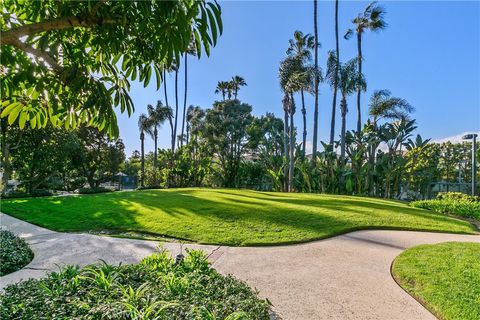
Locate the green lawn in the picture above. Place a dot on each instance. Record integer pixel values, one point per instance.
(444, 277)
(226, 216)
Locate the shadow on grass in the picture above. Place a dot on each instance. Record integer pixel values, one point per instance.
(236, 217)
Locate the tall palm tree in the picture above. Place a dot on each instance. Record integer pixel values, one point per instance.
(292, 75)
(348, 80)
(317, 80)
(145, 126)
(286, 142)
(335, 85)
(176, 68)
(372, 18)
(190, 51)
(236, 83)
(223, 87)
(301, 46)
(170, 119)
(157, 116)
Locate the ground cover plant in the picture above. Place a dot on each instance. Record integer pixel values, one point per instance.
(454, 203)
(14, 253)
(227, 216)
(444, 277)
(156, 288)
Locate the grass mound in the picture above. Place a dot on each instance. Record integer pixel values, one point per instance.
(156, 288)
(444, 277)
(14, 253)
(227, 216)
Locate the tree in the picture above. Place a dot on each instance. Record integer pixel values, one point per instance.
(195, 116)
(191, 51)
(370, 19)
(236, 83)
(157, 116)
(317, 79)
(100, 157)
(383, 105)
(300, 47)
(348, 80)
(43, 156)
(224, 88)
(335, 85)
(144, 125)
(226, 136)
(83, 55)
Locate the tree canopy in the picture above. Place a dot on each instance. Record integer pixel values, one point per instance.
(70, 62)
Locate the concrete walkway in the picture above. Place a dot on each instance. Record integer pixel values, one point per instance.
(345, 277)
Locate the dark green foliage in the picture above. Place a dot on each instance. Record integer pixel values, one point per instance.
(34, 193)
(156, 288)
(14, 254)
(94, 190)
(455, 203)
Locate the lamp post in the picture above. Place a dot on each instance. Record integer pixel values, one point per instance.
(473, 137)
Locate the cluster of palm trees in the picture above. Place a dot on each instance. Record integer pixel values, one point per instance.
(230, 88)
(297, 74)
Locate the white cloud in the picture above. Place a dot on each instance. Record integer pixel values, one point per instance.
(453, 139)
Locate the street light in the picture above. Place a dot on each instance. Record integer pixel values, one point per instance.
(473, 137)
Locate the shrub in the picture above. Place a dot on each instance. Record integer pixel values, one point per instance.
(94, 190)
(457, 196)
(22, 194)
(14, 253)
(454, 203)
(156, 288)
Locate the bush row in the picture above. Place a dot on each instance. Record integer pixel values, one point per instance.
(454, 205)
(156, 288)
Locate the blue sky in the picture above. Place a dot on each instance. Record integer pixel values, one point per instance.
(429, 55)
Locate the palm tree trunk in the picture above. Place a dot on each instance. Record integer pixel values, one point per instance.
(343, 108)
(285, 146)
(304, 115)
(172, 134)
(292, 146)
(317, 80)
(176, 109)
(155, 136)
(142, 148)
(184, 99)
(359, 90)
(335, 84)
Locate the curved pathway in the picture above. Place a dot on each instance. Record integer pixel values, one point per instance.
(345, 277)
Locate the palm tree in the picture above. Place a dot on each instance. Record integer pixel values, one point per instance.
(383, 105)
(236, 83)
(223, 87)
(190, 51)
(300, 47)
(157, 116)
(176, 68)
(144, 125)
(317, 80)
(335, 85)
(195, 114)
(370, 19)
(292, 75)
(348, 80)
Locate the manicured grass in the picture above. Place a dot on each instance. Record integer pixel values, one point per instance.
(444, 277)
(226, 216)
